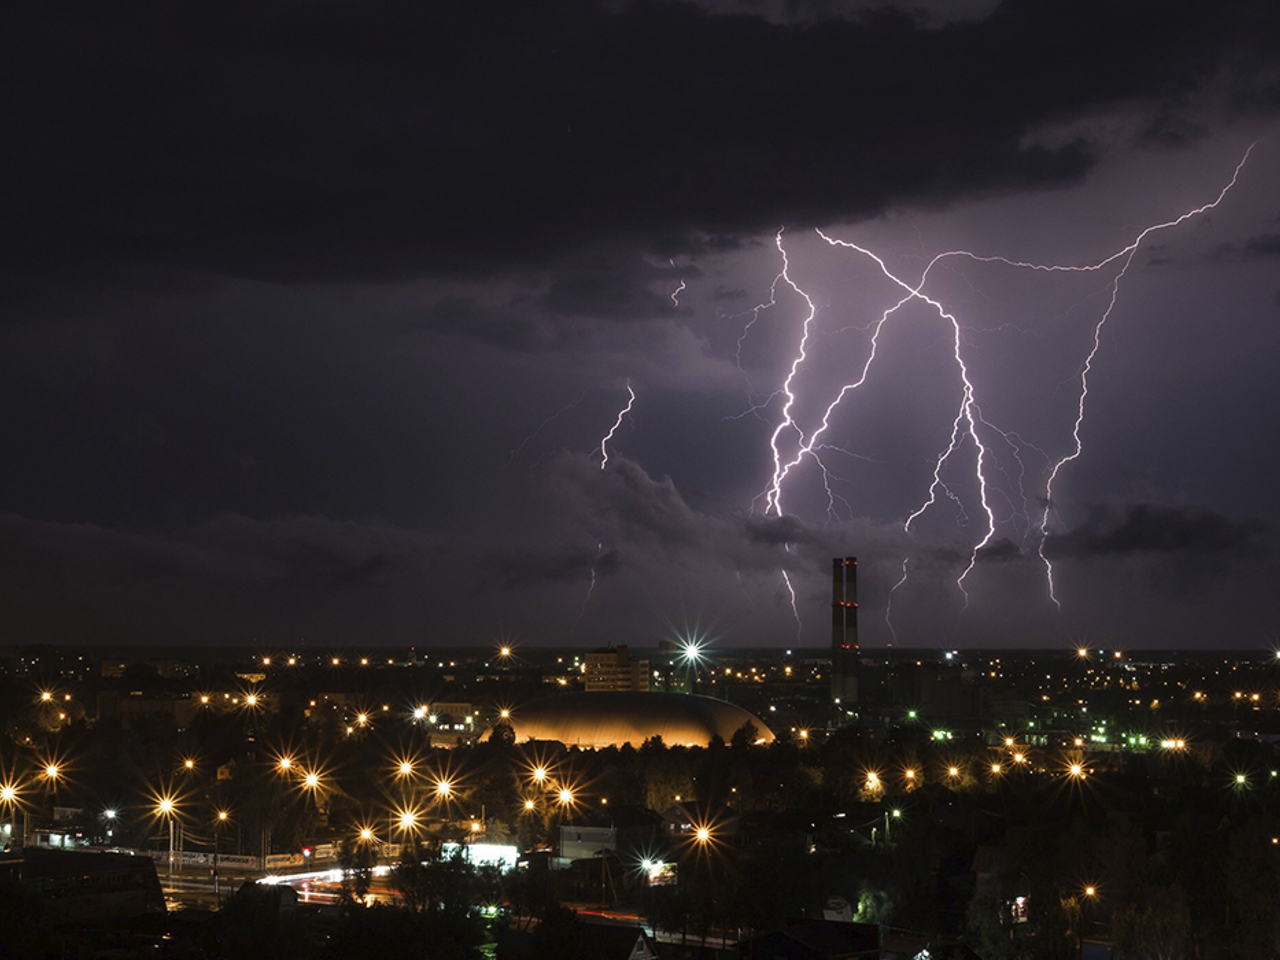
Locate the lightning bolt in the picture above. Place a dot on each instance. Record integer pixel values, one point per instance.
(675, 294)
(591, 587)
(527, 440)
(968, 424)
(1078, 448)
(604, 443)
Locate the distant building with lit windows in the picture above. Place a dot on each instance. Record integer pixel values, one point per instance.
(611, 669)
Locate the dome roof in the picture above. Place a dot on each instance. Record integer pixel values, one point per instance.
(610, 719)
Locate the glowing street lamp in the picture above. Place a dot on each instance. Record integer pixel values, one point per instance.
(9, 800)
(529, 805)
(405, 768)
(691, 652)
(565, 797)
(166, 808)
(221, 817)
(444, 789)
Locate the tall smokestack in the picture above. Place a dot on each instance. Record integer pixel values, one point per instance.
(844, 631)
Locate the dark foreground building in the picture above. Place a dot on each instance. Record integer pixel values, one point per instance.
(78, 887)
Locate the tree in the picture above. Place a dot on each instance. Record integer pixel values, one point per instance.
(357, 859)
(745, 736)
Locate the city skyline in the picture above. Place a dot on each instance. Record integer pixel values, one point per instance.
(408, 327)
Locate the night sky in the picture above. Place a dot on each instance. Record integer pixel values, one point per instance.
(313, 317)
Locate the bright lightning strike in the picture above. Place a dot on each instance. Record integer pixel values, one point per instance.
(675, 294)
(604, 443)
(968, 425)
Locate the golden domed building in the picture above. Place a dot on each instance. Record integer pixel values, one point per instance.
(610, 719)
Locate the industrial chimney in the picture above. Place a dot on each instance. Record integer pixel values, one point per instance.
(844, 631)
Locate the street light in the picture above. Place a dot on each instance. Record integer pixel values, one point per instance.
(889, 817)
(165, 808)
(406, 820)
(219, 819)
(9, 800)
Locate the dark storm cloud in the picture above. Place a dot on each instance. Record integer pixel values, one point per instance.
(1267, 245)
(1154, 529)
(501, 326)
(1260, 247)
(597, 287)
(302, 142)
(1000, 551)
(569, 565)
(775, 530)
(229, 577)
